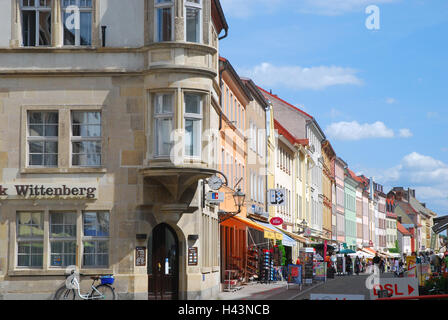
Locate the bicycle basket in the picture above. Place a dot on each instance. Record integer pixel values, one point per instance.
(107, 279)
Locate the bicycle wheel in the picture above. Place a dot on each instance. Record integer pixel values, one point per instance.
(106, 293)
(64, 294)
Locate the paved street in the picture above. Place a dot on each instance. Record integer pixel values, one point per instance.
(352, 285)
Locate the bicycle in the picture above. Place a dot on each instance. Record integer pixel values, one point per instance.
(103, 291)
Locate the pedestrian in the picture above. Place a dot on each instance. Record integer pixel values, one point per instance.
(298, 261)
(357, 265)
(376, 263)
(396, 266)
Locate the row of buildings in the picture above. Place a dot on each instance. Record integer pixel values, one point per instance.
(113, 132)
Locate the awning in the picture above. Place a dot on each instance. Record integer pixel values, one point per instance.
(249, 223)
(270, 232)
(287, 240)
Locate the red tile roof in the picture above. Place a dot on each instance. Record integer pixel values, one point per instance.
(403, 230)
(353, 175)
(287, 103)
(289, 136)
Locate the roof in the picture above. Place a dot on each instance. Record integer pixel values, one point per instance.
(218, 17)
(408, 209)
(287, 103)
(403, 230)
(391, 215)
(291, 138)
(353, 175)
(255, 91)
(228, 66)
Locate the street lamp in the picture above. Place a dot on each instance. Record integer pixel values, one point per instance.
(238, 198)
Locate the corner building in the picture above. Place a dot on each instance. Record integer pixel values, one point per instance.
(121, 107)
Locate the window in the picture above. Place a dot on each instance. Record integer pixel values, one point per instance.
(72, 34)
(42, 138)
(193, 125)
(96, 239)
(63, 239)
(164, 20)
(36, 22)
(193, 20)
(86, 138)
(30, 236)
(163, 123)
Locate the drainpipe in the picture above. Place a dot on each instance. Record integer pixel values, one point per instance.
(103, 33)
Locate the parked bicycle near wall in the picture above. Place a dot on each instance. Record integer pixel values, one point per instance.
(102, 291)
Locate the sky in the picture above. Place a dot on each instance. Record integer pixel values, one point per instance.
(374, 79)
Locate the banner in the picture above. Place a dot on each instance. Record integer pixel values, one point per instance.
(411, 266)
(295, 274)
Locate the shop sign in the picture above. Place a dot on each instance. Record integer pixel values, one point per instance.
(396, 287)
(31, 191)
(276, 221)
(411, 266)
(273, 235)
(215, 197)
(276, 197)
(140, 256)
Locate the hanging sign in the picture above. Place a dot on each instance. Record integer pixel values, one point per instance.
(276, 221)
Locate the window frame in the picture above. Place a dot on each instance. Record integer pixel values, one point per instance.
(78, 32)
(74, 139)
(169, 4)
(95, 239)
(188, 4)
(44, 139)
(37, 9)
(29, 240)
(195, 117)
(61, 239)
(161, 116)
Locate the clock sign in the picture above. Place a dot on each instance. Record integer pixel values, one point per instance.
(214, 182)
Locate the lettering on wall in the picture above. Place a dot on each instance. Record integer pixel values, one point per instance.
(42, 191)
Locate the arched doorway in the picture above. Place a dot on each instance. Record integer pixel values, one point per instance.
(163, 264)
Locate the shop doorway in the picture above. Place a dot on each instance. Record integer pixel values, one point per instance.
(163, 264)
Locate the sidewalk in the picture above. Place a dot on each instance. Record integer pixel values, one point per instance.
(258, 291)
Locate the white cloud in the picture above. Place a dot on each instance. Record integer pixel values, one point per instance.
(390, 101)
(428, 176)
(300, 78)
(356, 131)
(405, 133)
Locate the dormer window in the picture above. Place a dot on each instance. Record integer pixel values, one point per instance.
(193, 9)
(164, 19)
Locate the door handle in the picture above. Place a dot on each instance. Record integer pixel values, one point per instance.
(159, 266)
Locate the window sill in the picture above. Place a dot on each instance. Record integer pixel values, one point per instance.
(62, 170)
(56, 272)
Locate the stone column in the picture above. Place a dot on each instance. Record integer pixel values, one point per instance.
(179, 29)
(16, 37)
(57, 24)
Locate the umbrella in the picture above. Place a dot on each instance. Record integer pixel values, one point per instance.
(344, 251)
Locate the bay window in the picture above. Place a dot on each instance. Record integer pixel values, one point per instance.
(36, 22)
(77, 33)
(193, 10)
(86, 138)
(193, 124)
(163, 123)
(164, 18)
(42, 138)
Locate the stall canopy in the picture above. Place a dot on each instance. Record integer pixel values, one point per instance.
(287, 240)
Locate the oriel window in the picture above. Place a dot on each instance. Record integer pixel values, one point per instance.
(164, 20)
(36, 22)
(163, 123)
(193, 10)
(193, 124)
(77, 22)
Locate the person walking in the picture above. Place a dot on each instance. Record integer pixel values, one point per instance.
(376, 263)
(357, 265)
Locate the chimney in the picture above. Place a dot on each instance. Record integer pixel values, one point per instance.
(399, 219)
(424, 205)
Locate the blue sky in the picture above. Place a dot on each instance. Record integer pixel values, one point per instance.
(379, 95)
